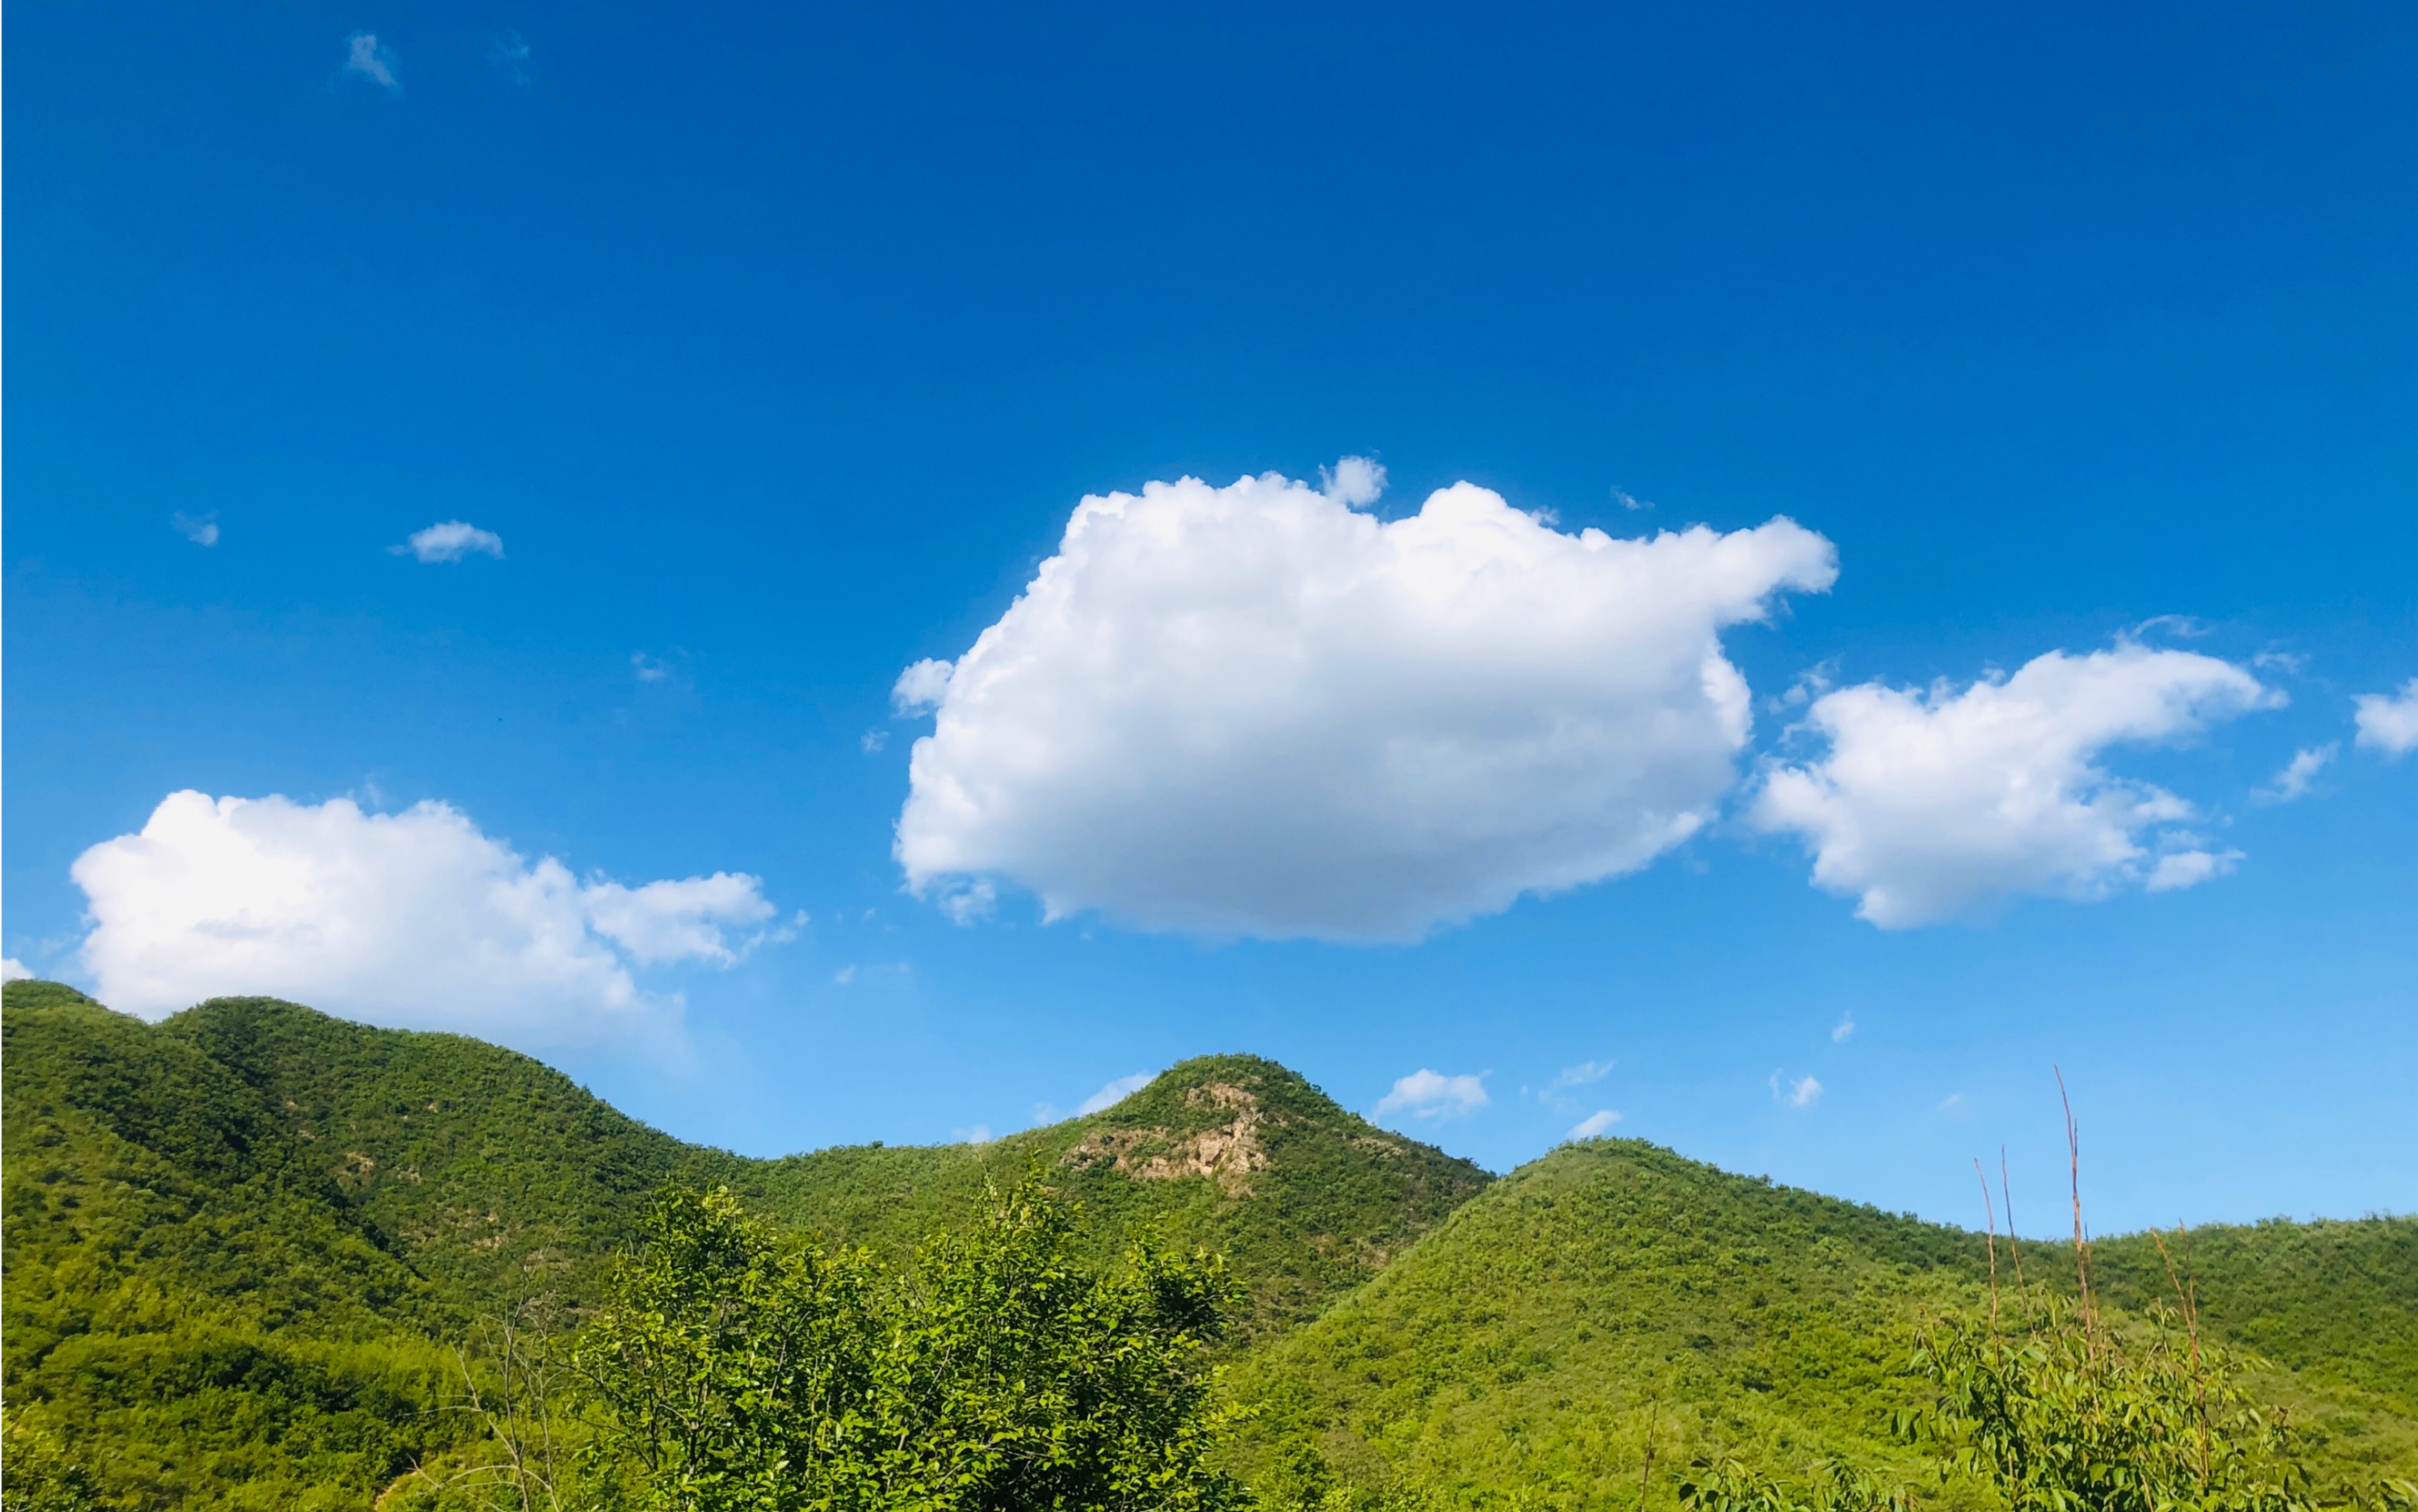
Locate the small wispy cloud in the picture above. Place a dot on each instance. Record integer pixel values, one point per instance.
(450, 540)
(367, 58)
(647, 668)
(1628, 500)
(510, 54)
(973, 1134)
(13, 970)
(201, 529)
(2292, 783)
(2189, 868)
(1581, 1074)
(1115, 1092)
(845, 975)
(873, 740)
(970, 904)
(1595, 1125)
(1795, 1092)
(1426, 1094)
(1844, 1028)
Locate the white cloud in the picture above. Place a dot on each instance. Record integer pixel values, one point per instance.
(1355, 482)
(2181, 869)
(648, 669)
(1429, 1094)
(872, 742)
(966, 903)
(678, 920)
(1629, 502)
(1595, 1125)
(974, 1134)
(2389, 721)
(1116, 1092)
(449, 541)
(1581, 1074)
(13, 970)
(1931, 805)
(1797, 1092)
(1844, 1029)
(1257, 711)
(372, 60)
(416, 920)
(2293, 781)
(201, 529)
(921, 687)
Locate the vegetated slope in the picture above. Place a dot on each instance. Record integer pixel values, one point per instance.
(191, 1307)
(2336, 1301)
(494, 1174)
(498, 1176)
(1614, 1295)
(240, 1244)
(1232, 1153)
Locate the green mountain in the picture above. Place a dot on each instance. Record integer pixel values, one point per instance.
(1613, 1297)
(240, 1246)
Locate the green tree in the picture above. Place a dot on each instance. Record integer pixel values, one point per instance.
(37, 1474)
(2072, 1412)
(739, 1371)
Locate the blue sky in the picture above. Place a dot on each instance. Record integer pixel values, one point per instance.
(775, 349)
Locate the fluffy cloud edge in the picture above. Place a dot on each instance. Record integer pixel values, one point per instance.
(2388, 722)
(416, 919)
(1431, 1094)
(1931, 804)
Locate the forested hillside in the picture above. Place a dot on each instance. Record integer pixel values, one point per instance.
(241, 1246)
(1613, 1297)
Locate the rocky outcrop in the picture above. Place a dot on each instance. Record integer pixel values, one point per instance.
(1227, 1153)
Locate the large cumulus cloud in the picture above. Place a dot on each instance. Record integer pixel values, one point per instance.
(416, 920)
(1258, 709)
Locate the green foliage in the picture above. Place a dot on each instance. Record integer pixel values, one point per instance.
(1612, 1310)
(2336, 1300)
(2073, 1410)
(1305, 1200)
(1836, 1487)
(243, 1247)
(37, 1475)
(742, 1373)
(194, 1316)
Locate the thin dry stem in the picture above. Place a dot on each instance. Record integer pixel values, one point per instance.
(1990, 1230)
(2015, 1246)
(2081, 1247)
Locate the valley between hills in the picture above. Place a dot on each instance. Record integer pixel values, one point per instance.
(242, 1245)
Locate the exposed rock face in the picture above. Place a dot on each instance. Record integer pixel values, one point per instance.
(1226, 1154)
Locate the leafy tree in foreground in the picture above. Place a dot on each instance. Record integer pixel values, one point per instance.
(741, 1372)
(2073, 1413)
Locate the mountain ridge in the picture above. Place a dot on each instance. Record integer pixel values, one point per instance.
(241, 1243)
